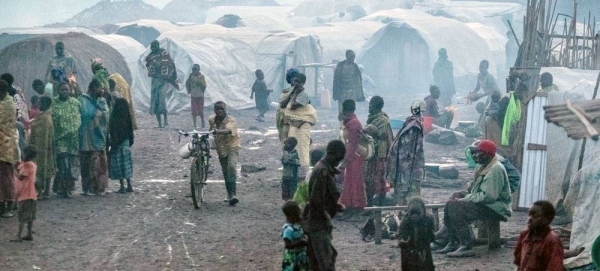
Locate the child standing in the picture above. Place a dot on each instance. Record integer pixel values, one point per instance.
(120, 140)
(291, 163)
(294, 254)
(262, 94)
(539, 248)
(26, 193)
(196, 86)
(415, 233)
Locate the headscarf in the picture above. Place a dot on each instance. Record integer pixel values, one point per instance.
(290, 74)
(97, 63)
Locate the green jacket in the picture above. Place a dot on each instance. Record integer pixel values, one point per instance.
(491, 187)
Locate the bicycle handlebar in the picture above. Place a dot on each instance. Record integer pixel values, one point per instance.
(194, 132)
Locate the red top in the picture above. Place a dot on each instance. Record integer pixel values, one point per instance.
(545, 254)
(26, 187)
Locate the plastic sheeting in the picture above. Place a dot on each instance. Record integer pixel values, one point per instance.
(228, 65)
(269, 49)
(266, 18)
(131, 51)
(401, 55)
(326, 7)
(336, 38)
(563, 152)
(586, 219)
(438, 33)
(491, 14)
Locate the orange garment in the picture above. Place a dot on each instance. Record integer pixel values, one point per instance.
(25, 187)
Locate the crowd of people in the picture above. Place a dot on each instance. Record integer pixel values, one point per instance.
(346, 179)
(68, 135)
(64, 136)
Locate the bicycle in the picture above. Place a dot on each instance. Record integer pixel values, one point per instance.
(199, 150)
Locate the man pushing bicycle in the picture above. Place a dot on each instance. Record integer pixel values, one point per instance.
(227, 140)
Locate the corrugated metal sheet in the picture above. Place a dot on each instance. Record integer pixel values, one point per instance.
(533, 180)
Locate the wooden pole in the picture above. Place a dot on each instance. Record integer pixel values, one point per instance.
(582, 152)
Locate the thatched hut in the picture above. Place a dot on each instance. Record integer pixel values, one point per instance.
(27, 60)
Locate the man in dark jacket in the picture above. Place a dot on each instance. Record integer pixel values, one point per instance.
(323, 205)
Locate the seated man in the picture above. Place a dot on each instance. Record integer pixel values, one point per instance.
(443, 118)
(487, 198)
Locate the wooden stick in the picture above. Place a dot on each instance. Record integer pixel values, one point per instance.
(581, 154)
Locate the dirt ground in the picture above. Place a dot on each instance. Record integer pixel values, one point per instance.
(157, 228)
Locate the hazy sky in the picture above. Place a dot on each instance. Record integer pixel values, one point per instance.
(28, 13)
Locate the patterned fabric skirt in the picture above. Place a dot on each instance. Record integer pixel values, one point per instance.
(94, 169)
(158, 102)
(7, 187)
(375, 175)
(294, 260)
(120, 164)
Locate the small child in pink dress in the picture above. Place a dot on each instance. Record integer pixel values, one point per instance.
(26, 193)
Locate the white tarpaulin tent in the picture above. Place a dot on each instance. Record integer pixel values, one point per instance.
(257, 50)
(488, 13)
(327, 7)
(131, 51)
(336, 38)
(269, 48)
(265, 18)
(227, 63)
(401, 56)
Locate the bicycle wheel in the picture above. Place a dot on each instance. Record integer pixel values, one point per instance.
(197, 182)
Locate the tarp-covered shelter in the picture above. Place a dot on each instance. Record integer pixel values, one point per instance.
(576, 191)
(274, 51)
(131, 50)
(310, 8)
(227, 63)
(492, 14)
(194, 11)
(401, 56)
(266, 18)
(28, 60)
(144, 31)
(336, 38)
(563, 152)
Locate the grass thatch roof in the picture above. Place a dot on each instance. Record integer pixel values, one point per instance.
(27, 60)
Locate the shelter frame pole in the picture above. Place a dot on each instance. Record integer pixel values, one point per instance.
(582, 152)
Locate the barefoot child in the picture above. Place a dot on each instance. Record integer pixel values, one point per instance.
(26, 193)
(196, 86)
(121, 139)
(415, 233)
(262, 94)
(539, 248)
(291, 163)
(294, 254)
